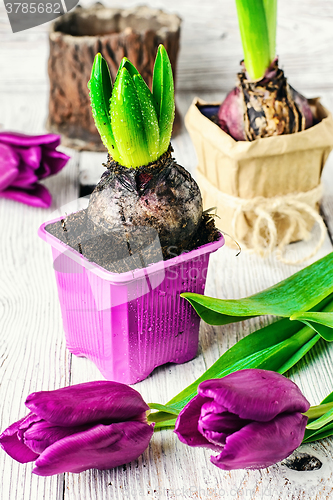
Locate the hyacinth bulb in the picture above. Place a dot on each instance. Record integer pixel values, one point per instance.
(264, 108)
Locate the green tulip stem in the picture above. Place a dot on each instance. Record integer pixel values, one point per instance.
(164, 414)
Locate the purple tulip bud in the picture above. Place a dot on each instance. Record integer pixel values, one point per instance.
(253, 418)
(24, 160)
(95, 425)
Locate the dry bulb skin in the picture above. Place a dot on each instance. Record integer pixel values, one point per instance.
(162, 195)
(264, 108)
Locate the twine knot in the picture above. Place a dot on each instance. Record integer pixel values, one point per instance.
(296, 209)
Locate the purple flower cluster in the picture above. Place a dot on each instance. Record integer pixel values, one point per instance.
(252, 417)
(93, 425)
(24, 160)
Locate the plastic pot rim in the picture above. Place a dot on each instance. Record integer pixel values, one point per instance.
(128, 275)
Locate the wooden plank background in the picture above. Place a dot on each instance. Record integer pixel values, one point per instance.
(33, 354)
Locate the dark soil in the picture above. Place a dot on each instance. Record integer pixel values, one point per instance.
(125, 249)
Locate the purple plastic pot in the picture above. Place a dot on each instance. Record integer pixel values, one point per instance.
(129, 323)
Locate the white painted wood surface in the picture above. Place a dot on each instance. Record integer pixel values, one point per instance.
(33, 354)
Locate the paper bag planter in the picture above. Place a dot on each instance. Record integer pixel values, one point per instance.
(267, 191)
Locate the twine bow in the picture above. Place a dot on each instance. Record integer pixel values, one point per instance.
(264, 234)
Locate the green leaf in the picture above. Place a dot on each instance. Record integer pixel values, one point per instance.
(135, 128)
(215, 311)
(255, 36)
(270, 7)
(163, 93)
(164, 411)
(149, 116)
(321, 322)
(267, 348)
(315, 435)
(168, 423)
(127, 122)
(292, 360)
(298, 293)
(290, 350)
(277, 347)
(317, 411)
(161, 416)
(126, 63)
(328, 399)
(321, 421)
(100, 87)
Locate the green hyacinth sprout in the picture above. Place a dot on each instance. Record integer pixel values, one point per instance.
(134, 123)
(257, 25)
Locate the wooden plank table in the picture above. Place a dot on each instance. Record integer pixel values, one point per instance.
(33, 353)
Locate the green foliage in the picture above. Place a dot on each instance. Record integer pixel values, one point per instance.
(305, 297)
(100, 87)
(296, 294)
(127, 121)
(320, 420)
(257, 25)
(321, 322)
(135, 124)
(163, 92)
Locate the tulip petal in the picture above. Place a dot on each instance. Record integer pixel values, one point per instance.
(24, 160)
(213, 437)
(42, 434)
(30, 157)
(255, 394)
(52, 162)
(101, 447)
(23, 140)
(25, 179)
(217, 427)
(216, 438)
(13, 445)
(25, 423)
(9, 162)
(216, 424)
(261, 444)
(100, 401)
(215, 418)
(36, 196)
(186, 426)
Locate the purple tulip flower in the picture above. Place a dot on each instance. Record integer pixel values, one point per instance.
(24, 160)
(94, 425)
(252, 417)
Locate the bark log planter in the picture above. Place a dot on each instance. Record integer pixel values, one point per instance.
(266, 191)
(77, 37)
(131, 322)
